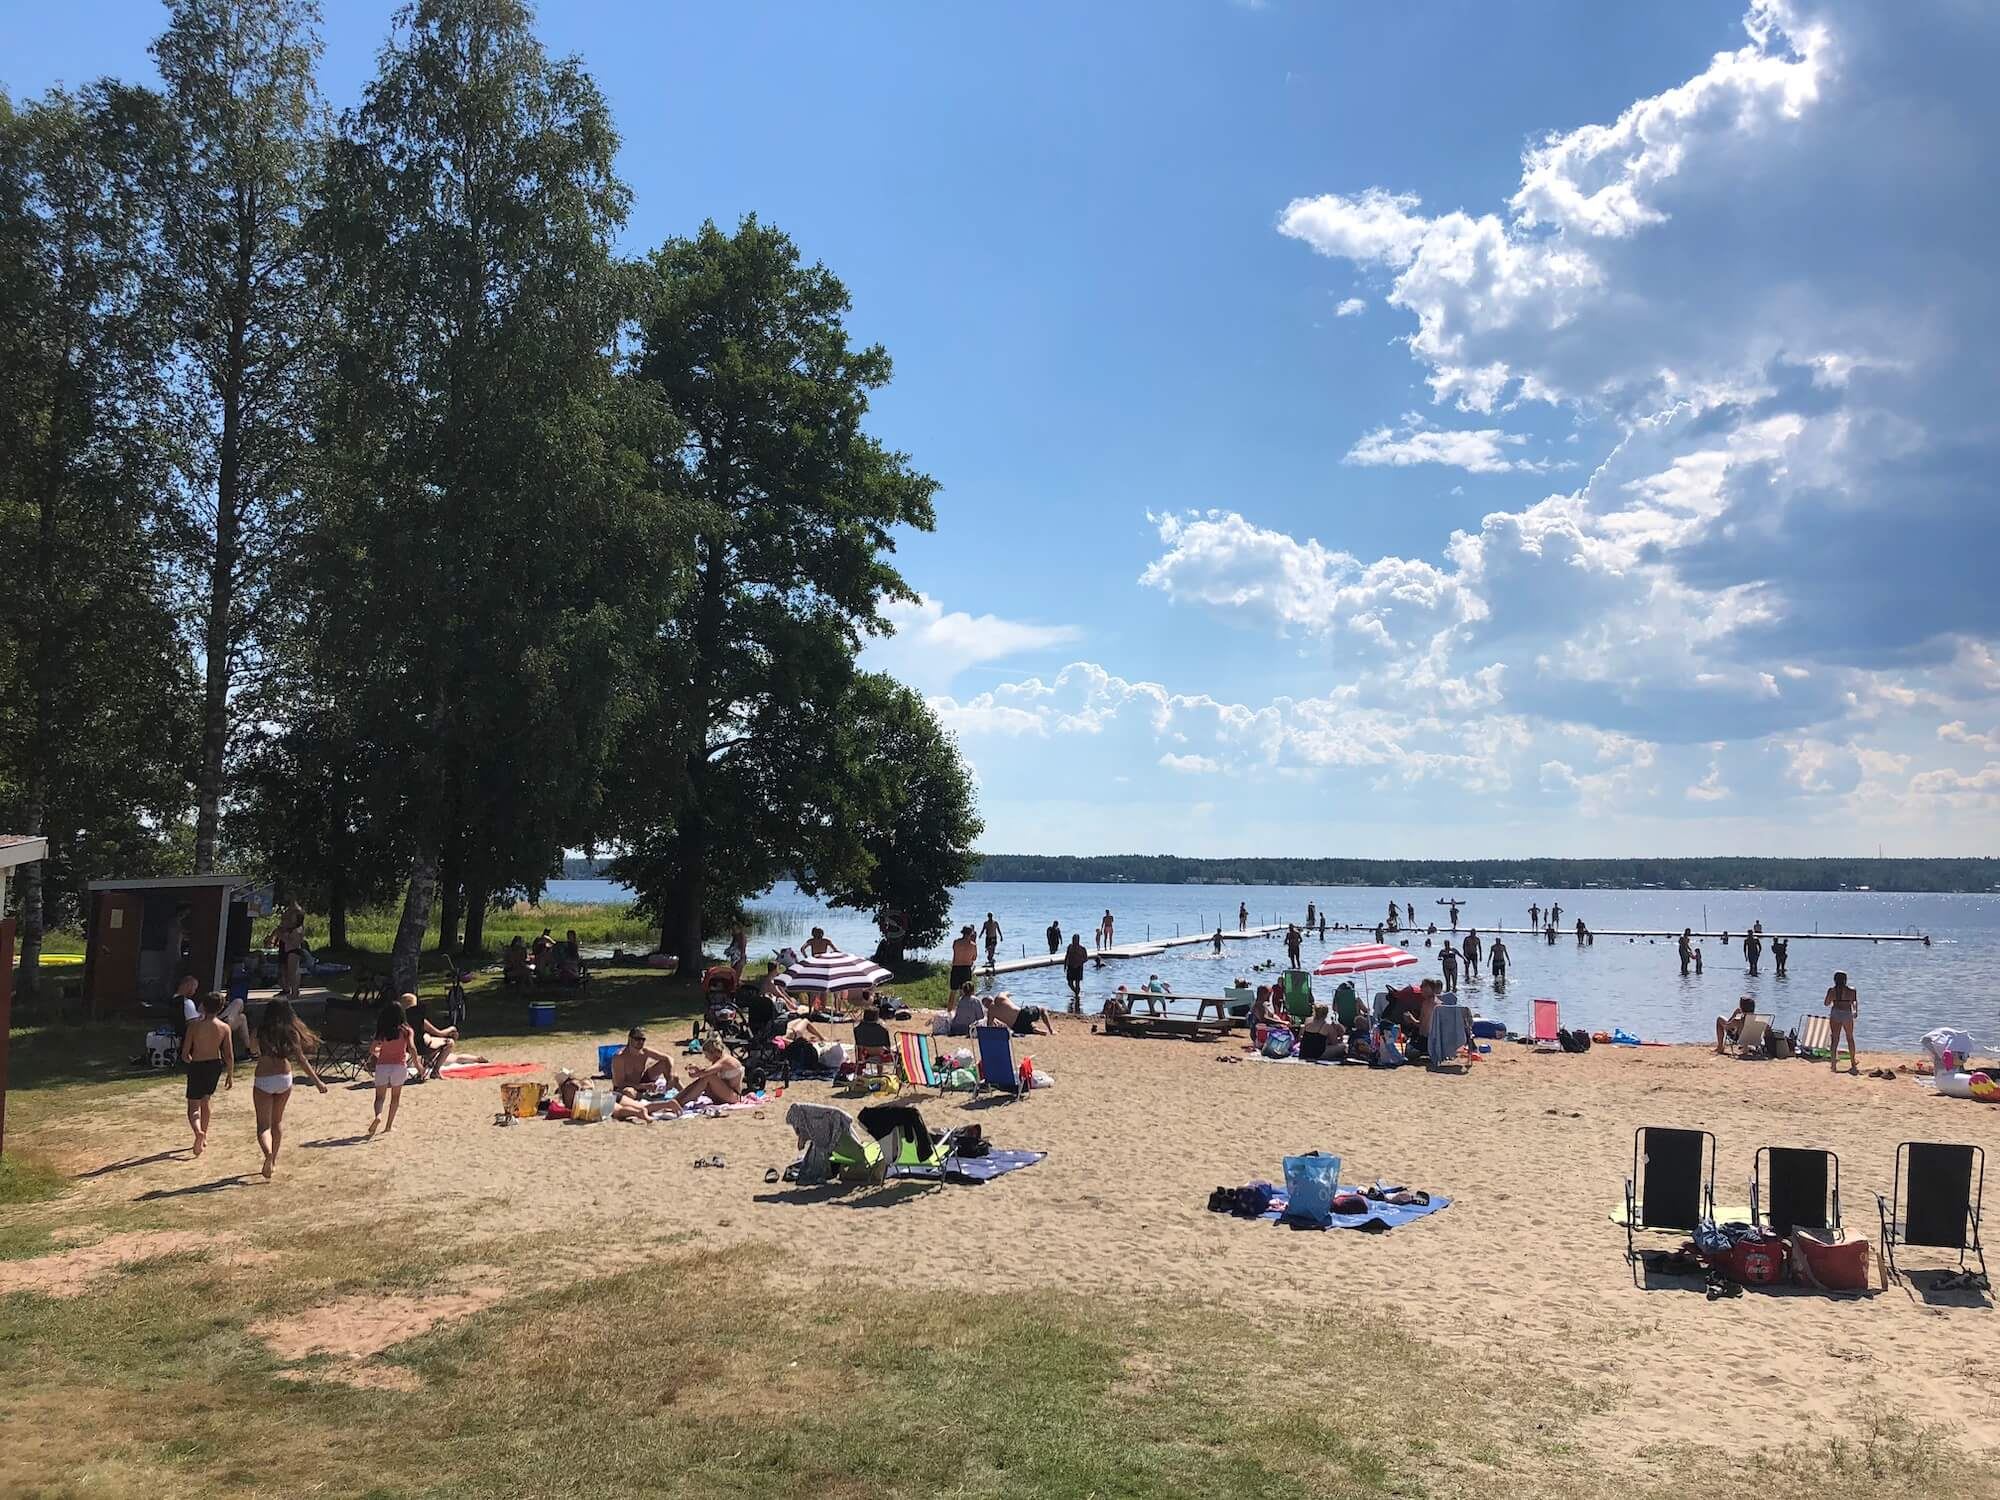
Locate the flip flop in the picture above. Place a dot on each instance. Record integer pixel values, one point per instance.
(770, 1174)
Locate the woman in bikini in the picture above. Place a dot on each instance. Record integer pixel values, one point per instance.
(719, 1075)
(1841, 1002)
(282, 1041)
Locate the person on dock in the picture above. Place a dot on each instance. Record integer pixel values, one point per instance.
(1106, 929)
(991, 929)
(1448, 961)
(1555, 913)
(1242, 916)
(1496, 961)
(1687, 950)
(1395, 917)
(1753, 949)
(1055, 937)
(1073, 959)
(1410, 911)
(1841, 1003)
(1535, 915)
(1781, 949)
(1293, 938)
(1470, 951)
(1582, 933)
(964, 954)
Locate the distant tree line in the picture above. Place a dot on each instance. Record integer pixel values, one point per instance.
(1720, 873)
(370, 524)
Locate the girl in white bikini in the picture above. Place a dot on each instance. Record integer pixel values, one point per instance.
(282, 1040)
(1841, 1002)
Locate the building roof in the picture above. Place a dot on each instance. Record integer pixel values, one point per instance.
(21, 849)
(168, 882)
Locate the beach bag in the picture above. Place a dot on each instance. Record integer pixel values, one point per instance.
(1278, 1043)
(1310, 1183)
(1740, 1253)
(1828, 1261)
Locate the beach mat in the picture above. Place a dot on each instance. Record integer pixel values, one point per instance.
(1726, 1213)
(993, 1164)
(1388, 1215)
(489, 1070)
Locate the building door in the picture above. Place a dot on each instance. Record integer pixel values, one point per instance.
(113, 982)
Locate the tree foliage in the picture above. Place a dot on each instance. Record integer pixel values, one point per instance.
(793, 507)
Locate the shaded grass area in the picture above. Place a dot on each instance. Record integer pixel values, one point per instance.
(598, 925)
(770, 1388)
(26, 1179)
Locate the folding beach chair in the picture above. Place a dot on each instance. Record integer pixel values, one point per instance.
(829, 1146)
(996, 1062)
(1346, 1004)
(907, 1144)
(1816, 1038)
(1298, 994)
(1547, 1022)
(1935, 1204)
(919, 1061)
(1750, 1040)
(1803, 1185)
(1669, 1189)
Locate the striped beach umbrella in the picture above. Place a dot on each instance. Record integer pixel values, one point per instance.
(832, 973)
(1364, 958)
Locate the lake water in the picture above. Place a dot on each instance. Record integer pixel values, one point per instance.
(1905, 988)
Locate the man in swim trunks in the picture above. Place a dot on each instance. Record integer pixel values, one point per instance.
(991, 930)
(1496, 960)
(1055, 937)
(637, 1066)
(1019, 1019)
(1073, 960)
(964, 954)
(209, 1053)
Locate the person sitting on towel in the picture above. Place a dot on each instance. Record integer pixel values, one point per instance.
(637, 1066)
(1322, 1036)
(1020, 1019)
(719, 1075)
(1728, 1028)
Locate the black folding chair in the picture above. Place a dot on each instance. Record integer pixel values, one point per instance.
(1934, 1203)
(1671, 1189)
(1803, 1185)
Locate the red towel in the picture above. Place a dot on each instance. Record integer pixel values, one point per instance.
(489, 1070)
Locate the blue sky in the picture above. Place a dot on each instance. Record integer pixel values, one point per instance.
(1451, 429)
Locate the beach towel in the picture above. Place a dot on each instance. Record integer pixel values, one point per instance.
(488, 1070)
(1451, 1029)
(993, 1164)
(1386, 1215)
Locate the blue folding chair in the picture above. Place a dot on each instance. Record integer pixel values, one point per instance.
(996, 1062)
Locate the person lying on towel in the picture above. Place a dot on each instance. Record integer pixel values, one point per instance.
(1020, 1019)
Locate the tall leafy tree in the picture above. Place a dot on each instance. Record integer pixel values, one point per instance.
(94, 731)
(794, 507)
(900, 814)
(493, 514)
(247, 144)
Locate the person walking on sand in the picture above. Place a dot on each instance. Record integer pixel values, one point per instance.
(1841, 1003)
(209, 1053)
(1073, 960)
(1687, 950)
(283, 1042)
(1055, 937)
(991, 931)
(1496, 961)
(393, 1040)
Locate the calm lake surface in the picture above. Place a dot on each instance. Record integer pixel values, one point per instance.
(1906, 988)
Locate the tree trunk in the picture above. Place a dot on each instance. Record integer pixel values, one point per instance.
(448, 914)
(680, 931)
(415, 922)
(476, 900)
(336, 913)
(29, 968)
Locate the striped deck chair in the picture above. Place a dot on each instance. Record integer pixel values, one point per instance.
(1816, 1038)
(1548, 1020)
(920, 1069)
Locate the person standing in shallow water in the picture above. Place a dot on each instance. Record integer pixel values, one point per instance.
(1292, 940)
(1470, 950)
(1496, 961)
(1055, 937)
(1687, 950)
(1753, 949)
(1781, 949)
(1073, 960)
(1448, 958)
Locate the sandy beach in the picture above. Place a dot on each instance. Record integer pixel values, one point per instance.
(1525, 1264)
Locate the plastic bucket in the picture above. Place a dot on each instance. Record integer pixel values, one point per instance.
(521, 1099)
(542, 1013)
(604, 1055)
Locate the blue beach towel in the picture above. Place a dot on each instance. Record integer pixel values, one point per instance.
(1451, 1029)
(1389, 1215)
(995, 1163)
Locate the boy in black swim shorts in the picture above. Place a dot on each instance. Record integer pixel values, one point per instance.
(209, 1053)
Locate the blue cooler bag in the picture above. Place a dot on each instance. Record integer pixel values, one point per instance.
(1310, 1183)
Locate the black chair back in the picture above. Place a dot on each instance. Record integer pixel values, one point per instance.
(1941, 1198)
(1798, 1186)
(1670, 1177)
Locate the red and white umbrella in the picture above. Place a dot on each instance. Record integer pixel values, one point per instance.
(1364, 958)
(833, 972)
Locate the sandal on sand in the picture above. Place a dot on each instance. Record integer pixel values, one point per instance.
(770, 1174)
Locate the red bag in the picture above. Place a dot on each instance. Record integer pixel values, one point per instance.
(1832, 1265)
(1754, 1262)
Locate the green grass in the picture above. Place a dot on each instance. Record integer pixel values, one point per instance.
(597, 926)
(24, 1179)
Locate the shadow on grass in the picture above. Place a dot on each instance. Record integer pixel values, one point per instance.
(178, 1153)
(197, 1189)
(326, 1143)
